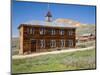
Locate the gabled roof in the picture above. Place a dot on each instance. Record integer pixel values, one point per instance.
(48, 24)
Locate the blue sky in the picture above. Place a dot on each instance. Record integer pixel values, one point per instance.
(28, 11)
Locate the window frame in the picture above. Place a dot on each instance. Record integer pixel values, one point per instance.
(70, 32)
(62, 42)
(61, 32)
(70, 43)
(42, 31)
(52, 43)
(53, 32)
(42, 43)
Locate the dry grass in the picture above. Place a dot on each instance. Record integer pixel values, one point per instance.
(56, 62)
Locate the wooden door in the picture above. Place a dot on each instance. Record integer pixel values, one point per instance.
(33, 45)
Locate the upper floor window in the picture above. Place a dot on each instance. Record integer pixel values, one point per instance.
(33, 30)
(53, 43)
(70, 32)
(42, 31)
(61, 32)
(53, 32)
(70, 43)
(30, 30)
(42, 43)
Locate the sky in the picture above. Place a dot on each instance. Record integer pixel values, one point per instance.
(27, 11)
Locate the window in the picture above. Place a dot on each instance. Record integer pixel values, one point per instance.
(70, 32)
(62, 43)
(53, 43)
(33, 30)
(52, 32)
(42, 31)
(69, 43)
(42, 43)
(61, 32)
(30, 30)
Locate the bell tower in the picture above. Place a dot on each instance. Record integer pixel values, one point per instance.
(48, 16)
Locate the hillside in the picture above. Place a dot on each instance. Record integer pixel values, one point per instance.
(81, 28)
(85, 29)
(68, 21)
(15, 43)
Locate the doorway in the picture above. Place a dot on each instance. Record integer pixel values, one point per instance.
(33, 45)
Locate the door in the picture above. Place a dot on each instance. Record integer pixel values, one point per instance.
(33, 45)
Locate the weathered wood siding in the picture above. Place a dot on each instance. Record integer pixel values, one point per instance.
(26, 37)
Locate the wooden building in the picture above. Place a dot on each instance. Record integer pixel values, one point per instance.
(39, 36)
(86, 37)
